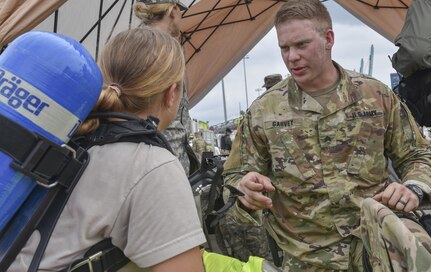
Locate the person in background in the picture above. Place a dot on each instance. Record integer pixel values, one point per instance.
(165, 15)
(314, 151)
(226, 142)
(199, 145)
(271, 80)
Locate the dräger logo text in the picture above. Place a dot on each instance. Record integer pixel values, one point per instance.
(18, 96)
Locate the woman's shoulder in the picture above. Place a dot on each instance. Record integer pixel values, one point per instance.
(136, 157)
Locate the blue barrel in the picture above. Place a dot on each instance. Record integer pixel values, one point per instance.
(48, 84)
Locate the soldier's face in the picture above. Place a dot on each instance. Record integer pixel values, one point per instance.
(305, 52)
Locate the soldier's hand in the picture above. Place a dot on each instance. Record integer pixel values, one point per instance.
(253, 185)
(398, 197)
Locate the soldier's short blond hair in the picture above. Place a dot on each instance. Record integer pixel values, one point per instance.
(305, 9)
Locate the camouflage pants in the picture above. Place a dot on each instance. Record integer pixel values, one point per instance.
(392, 243)
(244, 240)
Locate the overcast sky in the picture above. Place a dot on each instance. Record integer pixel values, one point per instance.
(353, 41)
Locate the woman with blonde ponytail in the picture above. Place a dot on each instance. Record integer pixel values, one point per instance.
(133, 193)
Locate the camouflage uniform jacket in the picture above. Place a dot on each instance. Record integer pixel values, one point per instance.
(177, 133)
(324, 162)
(199, 146)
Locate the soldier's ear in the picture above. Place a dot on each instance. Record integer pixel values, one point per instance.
(329, 38)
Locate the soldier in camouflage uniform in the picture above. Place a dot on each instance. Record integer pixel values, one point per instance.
(271, 80)
(199, 145)
(315, 152)
(165, 16)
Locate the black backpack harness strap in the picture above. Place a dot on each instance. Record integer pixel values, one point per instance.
(133, 130)
(38, 157)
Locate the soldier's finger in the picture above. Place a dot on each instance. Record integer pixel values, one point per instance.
(260, 200)
(258, 203)
(268, 187)
(378, 197)
(263, 180)
(400, 205)
(244, 204)
(247, 184)
(387, 194)
(411, 205)
(253, 186)
(395, 198)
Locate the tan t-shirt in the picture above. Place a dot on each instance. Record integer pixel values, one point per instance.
(134, 193)
(322, 96)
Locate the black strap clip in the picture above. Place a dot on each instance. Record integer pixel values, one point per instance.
(46, 161)
(102, 257)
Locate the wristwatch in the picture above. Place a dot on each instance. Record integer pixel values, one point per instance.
(417, 190)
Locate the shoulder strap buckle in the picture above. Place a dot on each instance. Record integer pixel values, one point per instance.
(47, 160)
(88, 261)
(101, 257)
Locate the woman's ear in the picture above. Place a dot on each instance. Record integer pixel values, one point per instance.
(170, 96)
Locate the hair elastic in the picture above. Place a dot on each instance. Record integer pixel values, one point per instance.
(116, 88)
